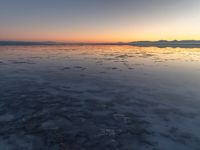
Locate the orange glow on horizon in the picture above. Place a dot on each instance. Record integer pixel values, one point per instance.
(103, 38)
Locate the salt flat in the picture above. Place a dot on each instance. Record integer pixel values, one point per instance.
(99, 98)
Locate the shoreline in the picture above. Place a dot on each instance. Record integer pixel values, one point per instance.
(159, 44)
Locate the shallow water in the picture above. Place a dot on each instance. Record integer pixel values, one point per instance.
(99, 98)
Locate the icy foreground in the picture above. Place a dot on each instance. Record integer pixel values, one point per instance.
(99, 98)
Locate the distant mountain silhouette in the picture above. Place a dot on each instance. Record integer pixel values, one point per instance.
(163, 43)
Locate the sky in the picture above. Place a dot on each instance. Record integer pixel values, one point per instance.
(99, 20)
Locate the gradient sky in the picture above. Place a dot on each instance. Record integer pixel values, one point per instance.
(99, 20)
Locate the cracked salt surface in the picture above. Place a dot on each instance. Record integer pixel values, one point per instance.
(89, 97)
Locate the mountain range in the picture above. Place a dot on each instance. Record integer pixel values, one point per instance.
(161, 43)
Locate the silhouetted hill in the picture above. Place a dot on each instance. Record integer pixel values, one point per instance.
(163, 43)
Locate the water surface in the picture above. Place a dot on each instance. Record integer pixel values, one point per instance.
(99, 98)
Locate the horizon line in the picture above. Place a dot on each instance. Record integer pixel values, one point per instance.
(160, 44)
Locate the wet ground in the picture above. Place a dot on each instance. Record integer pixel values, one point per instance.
(99, 98)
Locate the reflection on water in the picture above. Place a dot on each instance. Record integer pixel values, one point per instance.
(99, 97)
